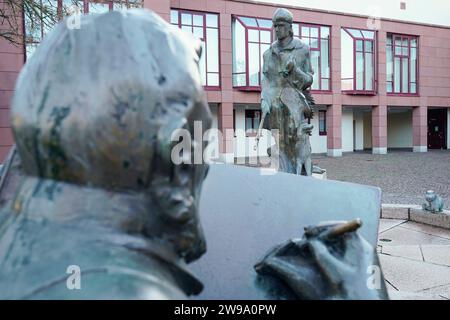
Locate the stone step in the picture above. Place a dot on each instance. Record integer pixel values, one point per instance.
(415, 213)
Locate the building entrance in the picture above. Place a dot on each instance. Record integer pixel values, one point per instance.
(437, 128)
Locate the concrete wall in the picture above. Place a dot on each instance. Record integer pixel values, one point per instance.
(347, 130)
(241, 143)
(244, 144)
(399, 129)
(367, 120)
(358, 117)
(213, 138)
(318, 142)
(213, 107)
(352, 129)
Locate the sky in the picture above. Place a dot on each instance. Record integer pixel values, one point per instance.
(422, 11)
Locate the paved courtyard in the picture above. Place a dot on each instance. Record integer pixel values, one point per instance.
(415, 260)
(403, 176)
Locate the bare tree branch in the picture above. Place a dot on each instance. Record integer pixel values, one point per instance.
(39, 16)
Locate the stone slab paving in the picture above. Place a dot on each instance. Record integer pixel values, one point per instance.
(412, 275)
(415, 259)
(442, 291)
(437, 254)
(403, 176)
(430, 230)
(403, 236)
(409, 252)
(386, 224)
(402, 295)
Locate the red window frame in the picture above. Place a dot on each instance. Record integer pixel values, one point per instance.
(111, 3)
(323, 116)
(86, 4)
(318, 49)
(204, 38)
(247, 71)
(373, 91)
(392, 47)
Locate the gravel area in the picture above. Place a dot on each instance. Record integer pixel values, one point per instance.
(403, 176)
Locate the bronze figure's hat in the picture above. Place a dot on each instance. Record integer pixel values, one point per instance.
(282, 15)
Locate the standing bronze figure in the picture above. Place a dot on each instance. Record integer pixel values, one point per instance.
(285, 99)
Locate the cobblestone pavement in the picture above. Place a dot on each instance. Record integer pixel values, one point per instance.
(403, 176)
(415, 260)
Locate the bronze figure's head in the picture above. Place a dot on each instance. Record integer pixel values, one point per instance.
(96, 107)
(282, 23)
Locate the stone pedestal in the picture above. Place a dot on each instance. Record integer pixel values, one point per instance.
(245, 213)
(441, 220)
(417, 214)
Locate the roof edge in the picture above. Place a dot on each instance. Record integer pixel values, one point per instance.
(287, 6)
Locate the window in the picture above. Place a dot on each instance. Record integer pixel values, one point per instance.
(205, 27)
(358, 61)
(99, 7)
(102, 6)
(322, 123)
(318, 39)
(251, 38)
(401, 64)
(252, 120)
(127, 4)
(38, 24)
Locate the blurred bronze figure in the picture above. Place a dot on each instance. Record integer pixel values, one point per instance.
(285, 97)
(331, 261)
(434, 202)
(92, 186)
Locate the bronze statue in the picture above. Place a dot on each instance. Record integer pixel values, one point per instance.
(331, 261)
(92, 116)
(434, 202)
(285, 97)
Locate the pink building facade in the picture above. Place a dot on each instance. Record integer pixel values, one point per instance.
(12, 58)
(375, 89)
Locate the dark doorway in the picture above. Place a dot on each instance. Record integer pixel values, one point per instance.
(437, 128)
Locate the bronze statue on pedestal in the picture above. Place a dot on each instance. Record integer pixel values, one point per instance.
(285, 97)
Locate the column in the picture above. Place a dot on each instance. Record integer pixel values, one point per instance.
(381, 61)
(226, 57)
(420, 128)
(334, 130)
(334, 111)
(225, 125)
(225, 112)
(379, 129)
